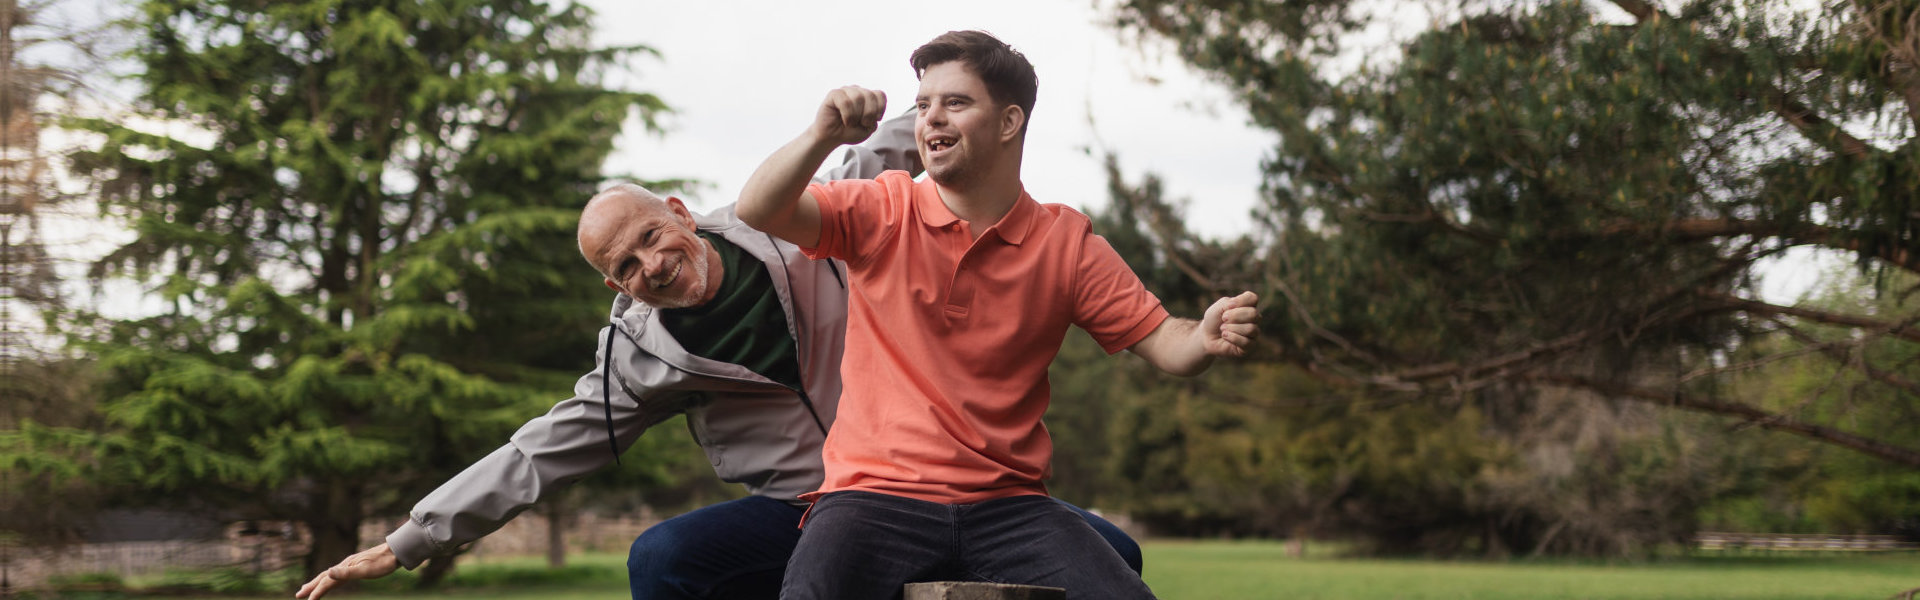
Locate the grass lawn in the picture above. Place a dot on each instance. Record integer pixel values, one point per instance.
(1210, 570)
(1207, 570)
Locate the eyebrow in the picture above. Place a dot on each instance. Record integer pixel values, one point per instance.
(924, 97)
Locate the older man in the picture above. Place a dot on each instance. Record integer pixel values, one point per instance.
(714, 320)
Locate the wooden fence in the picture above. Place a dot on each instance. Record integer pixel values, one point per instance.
(271, 546)
(1803, 542)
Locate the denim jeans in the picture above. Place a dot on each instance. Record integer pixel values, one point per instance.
(866, 546)
(739, 550)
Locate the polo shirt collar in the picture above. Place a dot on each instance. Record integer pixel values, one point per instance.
(1012, 227)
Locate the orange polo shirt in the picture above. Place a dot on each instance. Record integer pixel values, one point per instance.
(949, 338)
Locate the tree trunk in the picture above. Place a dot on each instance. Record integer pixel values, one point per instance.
(557, 520)
(335, 525)
(1297, 547)
(436, 570)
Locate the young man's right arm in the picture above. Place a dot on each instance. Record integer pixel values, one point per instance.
(774, 199)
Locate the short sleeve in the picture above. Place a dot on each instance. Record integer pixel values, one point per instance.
(1110, 303)
(854, 215)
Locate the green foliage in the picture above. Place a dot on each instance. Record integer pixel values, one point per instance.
(358, 225)
(226, 581)
(95, 580)
(1817, 371)
(1266, 448)
(1538, 193)
(46, 63)
(1501, 226)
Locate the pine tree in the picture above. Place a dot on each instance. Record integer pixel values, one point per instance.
(1567, 196)
(43, 62)
(357, 229)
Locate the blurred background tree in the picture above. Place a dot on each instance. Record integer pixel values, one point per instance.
(1495, 255)
(356, 222)
(45, 59)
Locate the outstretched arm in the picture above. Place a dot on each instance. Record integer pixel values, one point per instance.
(544, 455)
(1186, 347)
(774, 199)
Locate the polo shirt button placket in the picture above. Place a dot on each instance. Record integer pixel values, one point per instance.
(959, 292)
(959, 287)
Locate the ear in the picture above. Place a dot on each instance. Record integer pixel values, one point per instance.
(680, 211)
(1012, 121)
(612, 286)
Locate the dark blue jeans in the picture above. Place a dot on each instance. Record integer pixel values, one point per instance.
(739, 550)
(865, 546)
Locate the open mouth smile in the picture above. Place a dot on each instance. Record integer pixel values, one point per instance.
(662, 283)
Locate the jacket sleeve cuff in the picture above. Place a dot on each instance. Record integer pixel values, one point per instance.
(410, 544)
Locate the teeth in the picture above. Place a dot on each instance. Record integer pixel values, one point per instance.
(670, 277)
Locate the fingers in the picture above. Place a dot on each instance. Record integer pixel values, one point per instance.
(371, 563)
(1236, 323)
(1244, 299)
(1238, 339)
(852, 113)
(313, 590)
(865, 108)
(1246, 331)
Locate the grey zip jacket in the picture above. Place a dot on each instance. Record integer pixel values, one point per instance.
(756, 432)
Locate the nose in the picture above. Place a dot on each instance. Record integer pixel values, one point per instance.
(652, 264)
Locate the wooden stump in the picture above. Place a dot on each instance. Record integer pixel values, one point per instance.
(967, 590)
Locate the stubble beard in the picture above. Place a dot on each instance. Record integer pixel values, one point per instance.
(953, 176)
(698, 290)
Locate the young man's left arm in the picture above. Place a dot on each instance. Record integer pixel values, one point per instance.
(1186, 347)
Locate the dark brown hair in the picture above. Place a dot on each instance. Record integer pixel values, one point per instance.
(1008, 75)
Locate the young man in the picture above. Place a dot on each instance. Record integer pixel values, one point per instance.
(713, 320)
(963, 288)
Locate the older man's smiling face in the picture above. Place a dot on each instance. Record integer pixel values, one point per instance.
(646, 248)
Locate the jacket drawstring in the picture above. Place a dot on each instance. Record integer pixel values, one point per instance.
(606, 394)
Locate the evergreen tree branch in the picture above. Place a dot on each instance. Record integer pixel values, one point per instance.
(1748, 365)
(1902, 330)
(1751, 414)
(1836, 351)
(1799, 234)
(1815, 128)
(1898, 54)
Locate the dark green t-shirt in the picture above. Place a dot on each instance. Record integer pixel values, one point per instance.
(743, 324)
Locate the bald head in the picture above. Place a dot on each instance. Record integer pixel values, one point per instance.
(646, 248)
(606, 211)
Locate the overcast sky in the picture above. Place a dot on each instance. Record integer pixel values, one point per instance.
(744, 78)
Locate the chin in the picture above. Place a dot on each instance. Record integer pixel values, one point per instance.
(949, 177)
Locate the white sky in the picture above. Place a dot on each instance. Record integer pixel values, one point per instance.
(745, 78)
